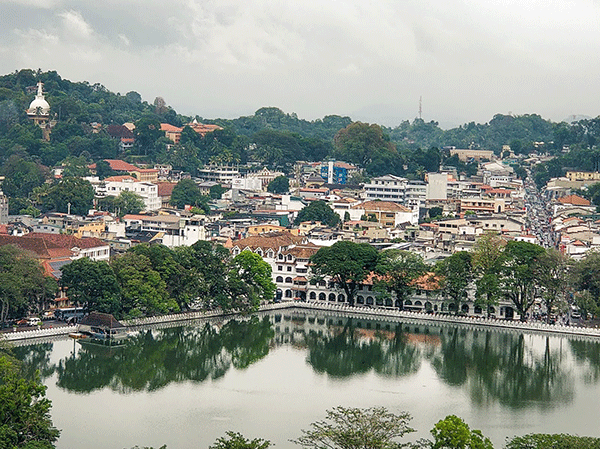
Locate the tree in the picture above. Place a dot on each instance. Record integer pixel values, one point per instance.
(586, 278)
(457, 275)
(281, 184)
(346, 263)
(552, 273)
(318, 211)
(399, 270)
(355, 428)
(487, 262)
(143, 291)
(129, 203)
(92, 284)
(74, 195)
(187, 193)
(22, 282)
(24, 410)
(103, 170)
(519, 279)
(217, 191)
(249, 281)
(236, 440)
(453, 433)
(556, 441)
(435, 212)
(366, 145)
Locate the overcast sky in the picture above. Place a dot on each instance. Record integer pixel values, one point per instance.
(369, 59)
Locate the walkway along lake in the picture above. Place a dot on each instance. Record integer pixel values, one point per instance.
(272, 374)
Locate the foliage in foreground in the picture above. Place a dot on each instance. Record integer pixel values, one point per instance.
(25, 420)
(347, 428)
(555, 441)
(236, 440)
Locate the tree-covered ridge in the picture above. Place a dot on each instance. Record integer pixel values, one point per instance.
(270, 137)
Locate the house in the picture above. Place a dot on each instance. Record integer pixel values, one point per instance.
(56, 250)
(388, 213)
(170, 230)
(102, 326)
(114, 185)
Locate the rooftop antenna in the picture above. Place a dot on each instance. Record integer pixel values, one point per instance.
(421, 108)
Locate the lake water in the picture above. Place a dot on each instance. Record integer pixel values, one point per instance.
(271, 376)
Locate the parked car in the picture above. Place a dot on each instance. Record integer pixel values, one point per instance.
(33, 321)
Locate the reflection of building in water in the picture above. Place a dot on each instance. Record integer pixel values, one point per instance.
(292, 327)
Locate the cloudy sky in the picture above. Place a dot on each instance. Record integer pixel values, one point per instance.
(370, 59)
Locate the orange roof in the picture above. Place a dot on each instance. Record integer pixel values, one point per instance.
(574, 200)
(274, 240)
(428, 281)
(119, 165)
(120, 178)
(165, 188)
(203, 129)
(167, 127)
(302, 251)
(387, 206)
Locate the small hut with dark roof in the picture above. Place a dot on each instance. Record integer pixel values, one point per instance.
(102, 325)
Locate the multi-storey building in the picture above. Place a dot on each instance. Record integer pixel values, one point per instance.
(114, 185)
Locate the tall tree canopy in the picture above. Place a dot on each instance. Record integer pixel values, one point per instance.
(318, 211)
(346, 263)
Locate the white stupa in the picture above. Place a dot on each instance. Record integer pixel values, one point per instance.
(39, 111)
(39, 106)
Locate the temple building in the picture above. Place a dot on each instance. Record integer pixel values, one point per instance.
(39, 112)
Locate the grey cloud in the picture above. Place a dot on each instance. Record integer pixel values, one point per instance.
(468, 59)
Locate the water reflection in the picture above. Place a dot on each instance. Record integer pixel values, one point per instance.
(501, 367)
(515, 370)
(351, 350)
(154, 359)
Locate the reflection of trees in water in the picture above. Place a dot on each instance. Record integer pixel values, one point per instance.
(152, 360)
(34, 358)
(501, 367)
(348, 353)
(587, 354)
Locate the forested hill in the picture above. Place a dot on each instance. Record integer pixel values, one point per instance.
(270, 137)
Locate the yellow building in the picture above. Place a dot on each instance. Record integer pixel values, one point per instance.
(583, 176)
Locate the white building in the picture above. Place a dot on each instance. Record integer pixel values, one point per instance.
(387, 188)
(115, 185)
(172, 230)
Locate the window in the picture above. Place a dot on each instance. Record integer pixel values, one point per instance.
(312, 295)
(289, 268)
(279, 279)
(288, 280)
(279, 268)
(321, 296)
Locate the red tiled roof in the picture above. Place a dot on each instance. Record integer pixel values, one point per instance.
(165, 188)
(574, 200)
(381, 206)
(119, 165)
(50, 246)
(167, 127)
(120, 178)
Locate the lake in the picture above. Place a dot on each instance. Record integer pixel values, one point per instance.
(273, 374)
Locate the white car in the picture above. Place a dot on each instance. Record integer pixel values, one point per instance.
(33, 321)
